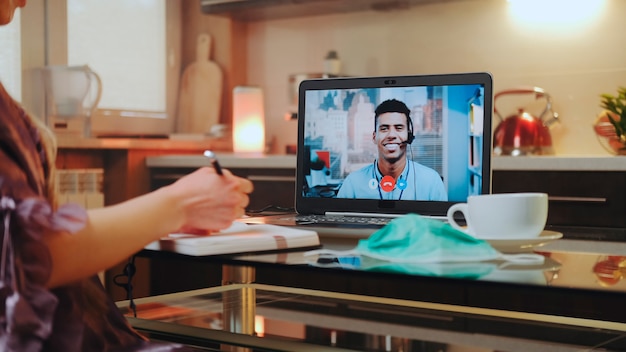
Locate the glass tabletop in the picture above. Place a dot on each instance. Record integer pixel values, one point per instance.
(575, 264)
(257, 317)
(578, 279)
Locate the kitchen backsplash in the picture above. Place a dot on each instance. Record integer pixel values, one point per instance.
(574, 63)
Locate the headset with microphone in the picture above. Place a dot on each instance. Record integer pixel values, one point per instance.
(409, 125)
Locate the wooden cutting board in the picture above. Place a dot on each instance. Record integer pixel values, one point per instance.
(200, 96)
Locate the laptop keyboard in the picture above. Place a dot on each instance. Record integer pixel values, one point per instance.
(343, 220)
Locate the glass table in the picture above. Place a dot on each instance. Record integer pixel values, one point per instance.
(291, 301)
(259, 317)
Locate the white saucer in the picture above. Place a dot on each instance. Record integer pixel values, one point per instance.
(524, 244)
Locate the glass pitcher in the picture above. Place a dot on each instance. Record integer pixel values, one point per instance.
(72, 92)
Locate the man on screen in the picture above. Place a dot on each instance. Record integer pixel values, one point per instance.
(392, 176)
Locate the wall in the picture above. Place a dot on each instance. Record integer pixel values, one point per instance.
(573, 63)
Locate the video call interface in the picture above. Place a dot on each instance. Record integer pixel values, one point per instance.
(447, 124)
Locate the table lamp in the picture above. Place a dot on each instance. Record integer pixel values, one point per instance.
(248, 120)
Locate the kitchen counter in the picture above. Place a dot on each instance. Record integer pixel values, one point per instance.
(584, 191)
(556, 163)
(228, 160)
(72, 142)
(560, 163)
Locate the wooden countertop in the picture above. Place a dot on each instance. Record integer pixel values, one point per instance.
(228, 160)
(67, 142)
(560, 163)
(557, 163)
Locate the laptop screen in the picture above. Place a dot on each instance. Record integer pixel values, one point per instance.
(393, 144)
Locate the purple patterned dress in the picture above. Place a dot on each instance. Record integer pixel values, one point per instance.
(77, 317)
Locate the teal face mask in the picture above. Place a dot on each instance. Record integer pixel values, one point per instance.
(465, 270)
(416, 239)
(419, 245)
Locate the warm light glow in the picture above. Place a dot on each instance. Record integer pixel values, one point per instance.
(259, 325)
(248, 120)
(559, 13)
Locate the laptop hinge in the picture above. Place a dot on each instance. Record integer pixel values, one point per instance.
(372, 215)
(379, 215)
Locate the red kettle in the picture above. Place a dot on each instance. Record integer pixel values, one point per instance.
(523, 133)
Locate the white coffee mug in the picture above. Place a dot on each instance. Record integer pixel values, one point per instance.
(502, 215)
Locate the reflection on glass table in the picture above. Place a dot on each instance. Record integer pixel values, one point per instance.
(610, 269)
(495, 270)
(258, 317)
(560, 269)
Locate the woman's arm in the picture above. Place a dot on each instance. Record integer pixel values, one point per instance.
(200, 200)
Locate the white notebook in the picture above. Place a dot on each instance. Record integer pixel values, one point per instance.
(239, 238)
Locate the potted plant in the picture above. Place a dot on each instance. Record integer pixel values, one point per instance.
(611, 123)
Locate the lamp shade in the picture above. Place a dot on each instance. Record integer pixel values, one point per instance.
(248, 120)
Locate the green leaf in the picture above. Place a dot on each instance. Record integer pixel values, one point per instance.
(617, 105)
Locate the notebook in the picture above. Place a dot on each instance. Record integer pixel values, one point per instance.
(238, 238)
(344, 156)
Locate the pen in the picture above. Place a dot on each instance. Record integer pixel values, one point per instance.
(216, 165)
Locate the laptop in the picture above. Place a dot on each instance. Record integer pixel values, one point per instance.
(342, 185)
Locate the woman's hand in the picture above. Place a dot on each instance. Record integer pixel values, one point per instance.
(201, 200)
(208, 201)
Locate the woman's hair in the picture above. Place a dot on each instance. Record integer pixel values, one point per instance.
(49, 142)
(94, 300)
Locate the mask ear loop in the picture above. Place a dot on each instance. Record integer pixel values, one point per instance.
(523, 259)
(331, 252)
(328, 258)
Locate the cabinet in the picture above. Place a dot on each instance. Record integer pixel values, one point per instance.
(583, 192)
(273, 176)
(583, 198)
(273, 187)
(252, 10)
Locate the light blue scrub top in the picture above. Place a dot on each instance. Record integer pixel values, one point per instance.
(423, 183)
